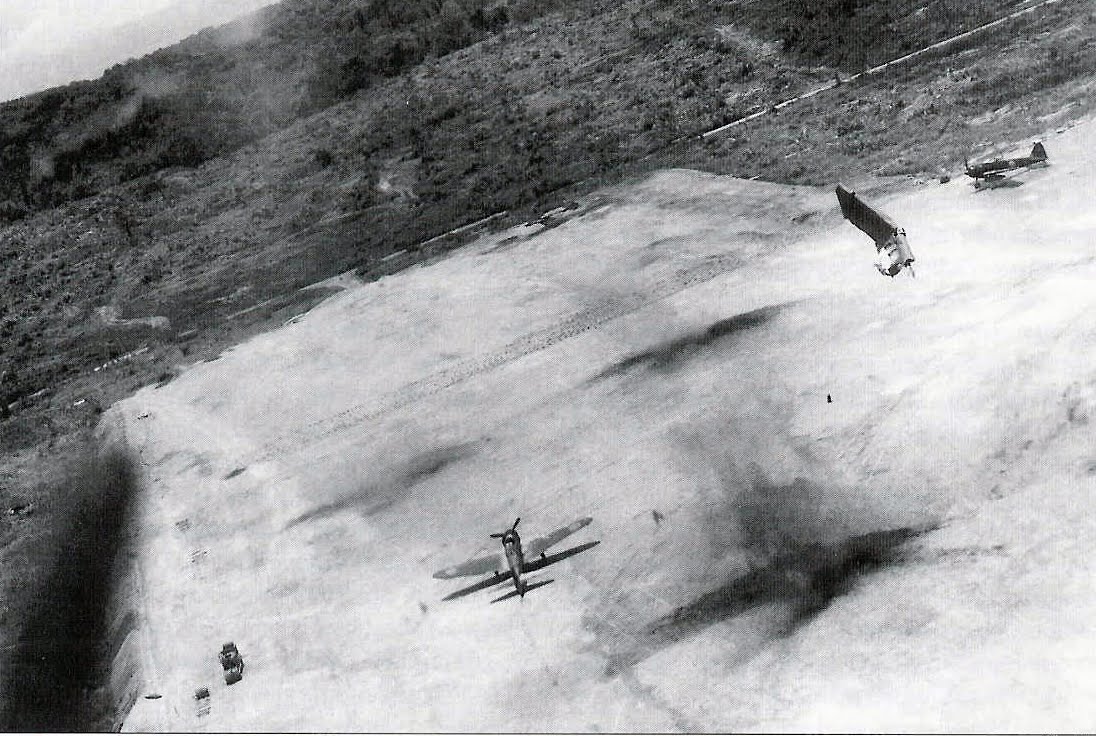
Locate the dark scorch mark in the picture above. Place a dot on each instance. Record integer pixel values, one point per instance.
(806, 581)
(381, 494)
(670, 355)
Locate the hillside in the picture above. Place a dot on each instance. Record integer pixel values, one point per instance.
(593, 81)
(216, 91)
(178, 205)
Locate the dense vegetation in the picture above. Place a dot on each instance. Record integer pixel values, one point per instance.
(852, 34)
(220, 89)
(224, 88)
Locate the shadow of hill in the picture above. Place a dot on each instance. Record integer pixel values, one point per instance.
(52, 678)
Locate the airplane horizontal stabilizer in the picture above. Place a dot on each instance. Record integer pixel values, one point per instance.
(530, 586)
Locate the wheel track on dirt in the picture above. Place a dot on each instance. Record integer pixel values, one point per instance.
(602, 312)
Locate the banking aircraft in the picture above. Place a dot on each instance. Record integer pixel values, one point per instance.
(888, 237)
(991, 170)
(512, 563)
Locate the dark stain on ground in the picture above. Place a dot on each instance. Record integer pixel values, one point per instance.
(54, 677)
(806, 581)
(672, 354)
(382, 494)
(234, 473)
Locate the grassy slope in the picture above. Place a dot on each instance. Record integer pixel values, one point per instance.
(223, 88)
(528, 117)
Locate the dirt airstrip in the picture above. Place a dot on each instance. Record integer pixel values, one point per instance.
(910, 556)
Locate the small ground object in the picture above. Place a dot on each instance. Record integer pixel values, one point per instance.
(232, 663)
(201, 695)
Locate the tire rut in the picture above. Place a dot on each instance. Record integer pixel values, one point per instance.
(576, 324)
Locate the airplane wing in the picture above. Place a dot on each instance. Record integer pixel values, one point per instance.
(539, 545)
(546, 560)
(873, 223)
(479, 566)
(498, 577)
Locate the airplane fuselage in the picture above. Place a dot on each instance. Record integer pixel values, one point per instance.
(993, 167)
(990, 168)
(511, 545)
(898, 251)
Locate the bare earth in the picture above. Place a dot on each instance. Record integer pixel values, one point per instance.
(914, 556)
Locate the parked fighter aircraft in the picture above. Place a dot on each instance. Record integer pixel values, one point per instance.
(887, 236)
(992, 169)
(513, 557)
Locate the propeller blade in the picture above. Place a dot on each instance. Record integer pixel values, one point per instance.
(502, 534)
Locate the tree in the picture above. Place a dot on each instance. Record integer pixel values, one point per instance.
(452, 29)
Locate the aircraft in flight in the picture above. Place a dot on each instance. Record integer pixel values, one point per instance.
(513, 562)
(888, 236)
(991, 170)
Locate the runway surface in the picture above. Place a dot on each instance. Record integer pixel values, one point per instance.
(912, 555)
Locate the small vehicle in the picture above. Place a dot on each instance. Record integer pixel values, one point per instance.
(232, 663)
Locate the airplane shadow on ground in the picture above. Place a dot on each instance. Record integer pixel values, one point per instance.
(1002, 183)
(804, 581)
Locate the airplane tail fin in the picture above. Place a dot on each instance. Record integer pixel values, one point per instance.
(1038, 152)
